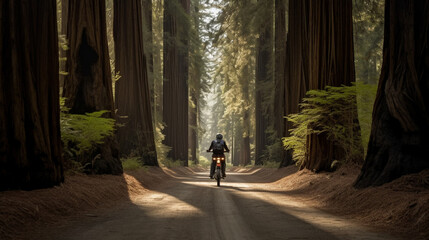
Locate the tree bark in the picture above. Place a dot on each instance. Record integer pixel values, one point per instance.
(297, 64)
(132, 89)
(331, 63)
(30, 142)
(147, 36)
(88, 85)
(175, 88)
(263, 58)
(279, 74)
(399, 142)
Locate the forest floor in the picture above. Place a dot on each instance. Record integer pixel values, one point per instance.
(252, 203)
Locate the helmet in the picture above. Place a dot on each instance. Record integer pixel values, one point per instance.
(219, 136)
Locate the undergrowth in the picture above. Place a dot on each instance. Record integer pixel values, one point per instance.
(131, 163)
(80, 134)
(331, 111)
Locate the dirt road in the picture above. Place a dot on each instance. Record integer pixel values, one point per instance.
(192, 207)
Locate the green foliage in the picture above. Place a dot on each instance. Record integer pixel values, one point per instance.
(170, 163)
(365, 101)
(131, 163)
(330, 111)
(81, 133)
(204, 162)
(161, 149)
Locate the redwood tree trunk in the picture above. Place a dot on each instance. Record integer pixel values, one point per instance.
(331, 64)
(30, 142)
(175, 87)
(279, 74)
(88, 85)
(263, 58)
(147, 16)
(399, 141)
(132, 89)
(297, 62)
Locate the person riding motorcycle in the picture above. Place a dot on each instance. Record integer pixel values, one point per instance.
(218, 147)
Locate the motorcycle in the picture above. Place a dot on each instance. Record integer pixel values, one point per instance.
(219, 158)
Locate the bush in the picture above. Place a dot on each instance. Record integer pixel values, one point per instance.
(331, 111)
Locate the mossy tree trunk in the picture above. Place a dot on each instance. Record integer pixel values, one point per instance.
(399, 141)
(88, 85)
(30, 142)
(132, 89)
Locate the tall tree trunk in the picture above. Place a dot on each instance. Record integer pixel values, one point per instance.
(148, 39)
(30, 142)
(88, 85)
(297, 63)
(132, 89)
(399, 142)
(263, 58)
(175, 88)
(331, 64)
(279, 71)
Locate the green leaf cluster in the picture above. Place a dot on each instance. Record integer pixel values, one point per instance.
(331, 111)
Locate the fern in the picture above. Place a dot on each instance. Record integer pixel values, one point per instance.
(80, 133)
(326, 111)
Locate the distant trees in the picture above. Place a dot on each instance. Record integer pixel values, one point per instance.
(368, 22)
(88, 85)
(175, 88)
(30, 144)
(399, 136)
(132, 93)
(235, 73)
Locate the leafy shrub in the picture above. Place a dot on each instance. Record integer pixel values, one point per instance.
(80, 133)
(331, 111)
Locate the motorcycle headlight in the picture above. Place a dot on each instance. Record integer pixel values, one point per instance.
(214, 159)
(222, 158)
(218, 158)
(218, 161)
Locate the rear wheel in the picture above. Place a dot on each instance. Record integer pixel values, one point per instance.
(218, 176)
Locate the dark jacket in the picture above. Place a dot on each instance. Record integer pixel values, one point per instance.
(225, 147)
